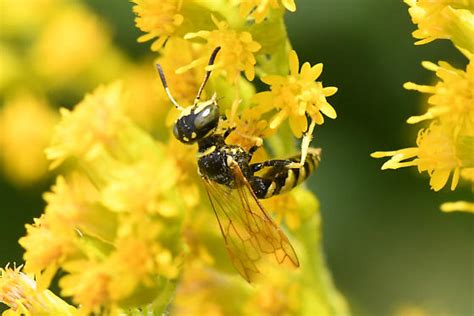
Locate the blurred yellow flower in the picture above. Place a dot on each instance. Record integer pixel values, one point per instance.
(69, 43)
(91, 126)
(42, 260)
(295, 96)
(88, 283)
(26, 126)
(236, 54)
(20, 21)
(75, 204)
(459, 206)
(159, 19)
(259, 9)
(440, 19)
(410, 310)
(20, 293)
(143, 187)
(204, 291)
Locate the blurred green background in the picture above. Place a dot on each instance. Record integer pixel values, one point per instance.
(386, 242)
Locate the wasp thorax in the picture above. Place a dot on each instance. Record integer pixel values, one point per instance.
(197, 122)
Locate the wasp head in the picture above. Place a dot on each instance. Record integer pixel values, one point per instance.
(197, 121)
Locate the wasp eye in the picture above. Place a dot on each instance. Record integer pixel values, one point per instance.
(209, 115)
(176, 131)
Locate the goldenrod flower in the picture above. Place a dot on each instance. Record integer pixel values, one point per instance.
(144, 188)
(446, 146)
(91, 126)
(204, 291)
(437, 153)
(69, 44)
(237, 52)
(452, 97)
(26, 125)
(440, 19)
(21, 294)
(42, 260)
(296, 95)
(293, 208)
(250, 129)
(279, 297)
(88, 282)
(259, 9)
(20, 20)
(75, 204)
(159, 19)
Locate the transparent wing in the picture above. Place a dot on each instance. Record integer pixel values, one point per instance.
(249, 232)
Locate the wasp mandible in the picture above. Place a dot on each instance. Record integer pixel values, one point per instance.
(233, 187)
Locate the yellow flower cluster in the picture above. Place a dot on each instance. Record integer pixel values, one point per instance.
(446, 146)
(113, 221)
(127, 222)
(438, 19)
(51, 51)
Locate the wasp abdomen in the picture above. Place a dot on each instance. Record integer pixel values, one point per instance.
(281, 177)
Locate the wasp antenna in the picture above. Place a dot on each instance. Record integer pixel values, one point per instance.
(165, 85)
(208, 73)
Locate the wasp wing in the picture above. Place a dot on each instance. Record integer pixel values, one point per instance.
(249, 232)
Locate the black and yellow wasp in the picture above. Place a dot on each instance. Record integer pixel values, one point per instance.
(233, 187)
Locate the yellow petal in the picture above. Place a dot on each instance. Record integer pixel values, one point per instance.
(289, 5)
(250, 72)
(439, 178)
(329, 91)
(294, 63)
(328, 110)
(459, 206)
(298, 124)
(316, 71)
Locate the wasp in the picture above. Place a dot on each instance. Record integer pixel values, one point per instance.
(235, 185)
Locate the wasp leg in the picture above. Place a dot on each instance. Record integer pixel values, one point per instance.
(280, 175)
(254, 148)
(228, 131)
